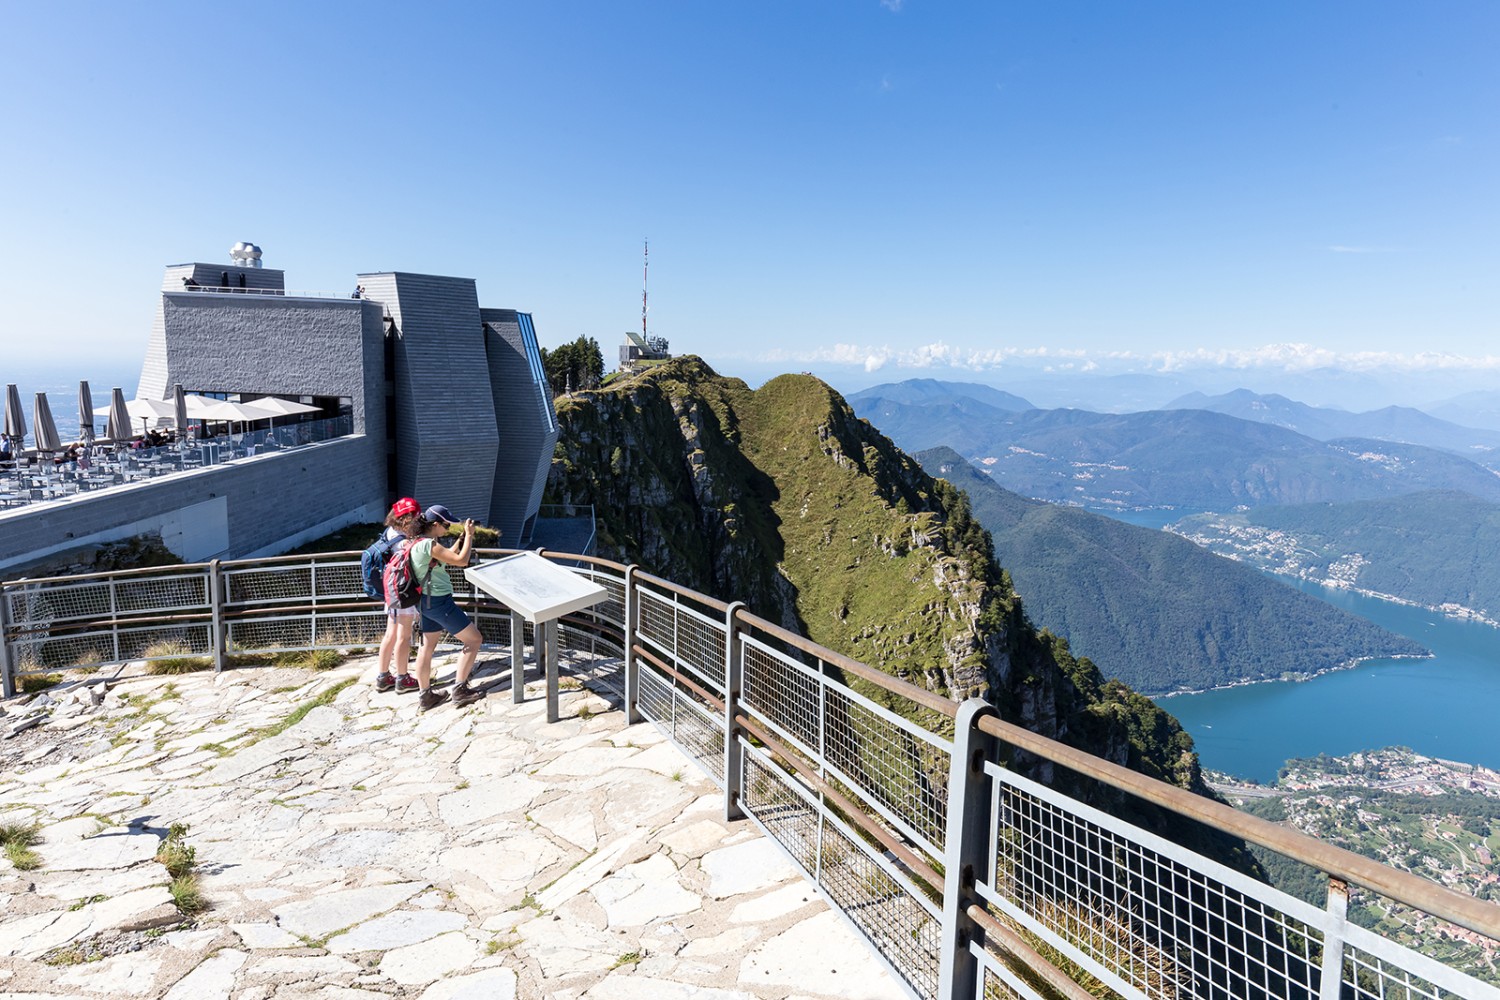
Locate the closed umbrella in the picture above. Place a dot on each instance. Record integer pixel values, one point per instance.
(118, 428)
(15, 418)
(179, 414)
(44, 430)
(85, 413)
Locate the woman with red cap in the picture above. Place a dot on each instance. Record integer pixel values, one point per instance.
(395, 645)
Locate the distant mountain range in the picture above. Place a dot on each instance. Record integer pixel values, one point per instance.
(1154, 610)
(1162, 458)
(1393, 423)
(1434, 549)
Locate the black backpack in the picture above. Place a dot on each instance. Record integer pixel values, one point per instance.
(372, 564)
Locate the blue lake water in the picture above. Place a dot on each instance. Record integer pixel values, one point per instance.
(1447, 706)
(1444, 707)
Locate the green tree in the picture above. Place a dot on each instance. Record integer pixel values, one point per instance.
(572, 366)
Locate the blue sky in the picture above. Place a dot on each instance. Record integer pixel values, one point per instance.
(868, 190)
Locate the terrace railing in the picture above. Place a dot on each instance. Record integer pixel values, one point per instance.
(977, 859)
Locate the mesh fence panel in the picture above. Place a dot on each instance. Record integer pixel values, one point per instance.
(895, 923)
(691, 641)
(58, 602)
(776, 691)
(889, 765)
(338, 579)
(268, 585)
(269, 635)
(163, 594)
(996, 988)
(83, 649)
(689, 723)
(1163, 927)
(1369, 977)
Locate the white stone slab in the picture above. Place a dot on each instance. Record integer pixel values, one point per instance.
(213, 980)
(324, 914)
(130, 974)
(748, 867)
(488, 798)
(820, 955)
(434, 959)
(625, 986)
(106, 851)
(490, 984)
(258, 937)
(774, 905)
(396, 930)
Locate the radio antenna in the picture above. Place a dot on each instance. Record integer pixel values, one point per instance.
(645, 272)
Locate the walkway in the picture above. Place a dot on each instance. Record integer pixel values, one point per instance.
(368, 851)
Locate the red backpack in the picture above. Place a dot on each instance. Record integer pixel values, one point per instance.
(401, 587)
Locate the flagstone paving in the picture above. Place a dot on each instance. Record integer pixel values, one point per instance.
(367, 850)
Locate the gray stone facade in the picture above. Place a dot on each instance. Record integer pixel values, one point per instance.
(448, 405)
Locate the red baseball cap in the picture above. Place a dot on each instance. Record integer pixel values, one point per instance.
(405, 506)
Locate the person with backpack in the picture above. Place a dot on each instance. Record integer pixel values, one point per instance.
(395, 645)
(439, 611)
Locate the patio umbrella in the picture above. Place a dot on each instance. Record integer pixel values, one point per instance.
(281, 407)
(118, 428)
(44, 431)
(85, 413)
(15, 419)
(179, 413)
(44, 428)
(149, 410)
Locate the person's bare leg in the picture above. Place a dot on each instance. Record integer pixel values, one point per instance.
(401, 647)
(424, 659)
(472, 640)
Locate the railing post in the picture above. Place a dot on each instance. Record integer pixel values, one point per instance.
(517, 658)
(632, 669)
(546, 646)
(734, 675)
(1333, 941)
(216, 602)
(966, 851)
(7, 678)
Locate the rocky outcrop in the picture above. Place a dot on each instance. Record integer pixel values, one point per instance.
(782, 498)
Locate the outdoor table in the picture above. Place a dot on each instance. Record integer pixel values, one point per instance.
(541, 592)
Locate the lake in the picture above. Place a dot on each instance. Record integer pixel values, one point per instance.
(1443, 707)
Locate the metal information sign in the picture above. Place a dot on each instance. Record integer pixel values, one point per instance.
(538, 591)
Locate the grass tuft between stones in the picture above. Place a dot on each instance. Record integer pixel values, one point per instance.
(18, 839)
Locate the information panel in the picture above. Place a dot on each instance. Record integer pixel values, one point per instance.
(535, 587)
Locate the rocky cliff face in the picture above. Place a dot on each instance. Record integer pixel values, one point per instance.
(782, 498)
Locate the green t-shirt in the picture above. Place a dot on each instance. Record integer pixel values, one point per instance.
(421, 557)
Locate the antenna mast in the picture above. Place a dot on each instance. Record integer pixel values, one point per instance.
(645, 272)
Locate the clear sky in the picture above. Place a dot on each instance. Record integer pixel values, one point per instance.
(879, 189)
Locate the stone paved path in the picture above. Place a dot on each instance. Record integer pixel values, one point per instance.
(369, 851)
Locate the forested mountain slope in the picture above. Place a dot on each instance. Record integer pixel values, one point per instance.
(1152, 609)
(1435, 549)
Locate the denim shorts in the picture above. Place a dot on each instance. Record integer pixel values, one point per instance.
(442, 614)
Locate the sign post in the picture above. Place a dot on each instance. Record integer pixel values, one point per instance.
(541, 592)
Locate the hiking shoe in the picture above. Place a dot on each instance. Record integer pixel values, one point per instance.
(406, 684)
(431, 699)
(464, 695)
(384, 682)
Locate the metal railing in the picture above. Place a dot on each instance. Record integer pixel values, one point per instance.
(110, 465)
(967, 873)
(277, 292)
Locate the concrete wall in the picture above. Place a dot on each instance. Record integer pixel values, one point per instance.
(156, 380)
(446, 434)
(252, 507)
(528, 426)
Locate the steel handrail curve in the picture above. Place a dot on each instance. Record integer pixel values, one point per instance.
(1398, 886)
